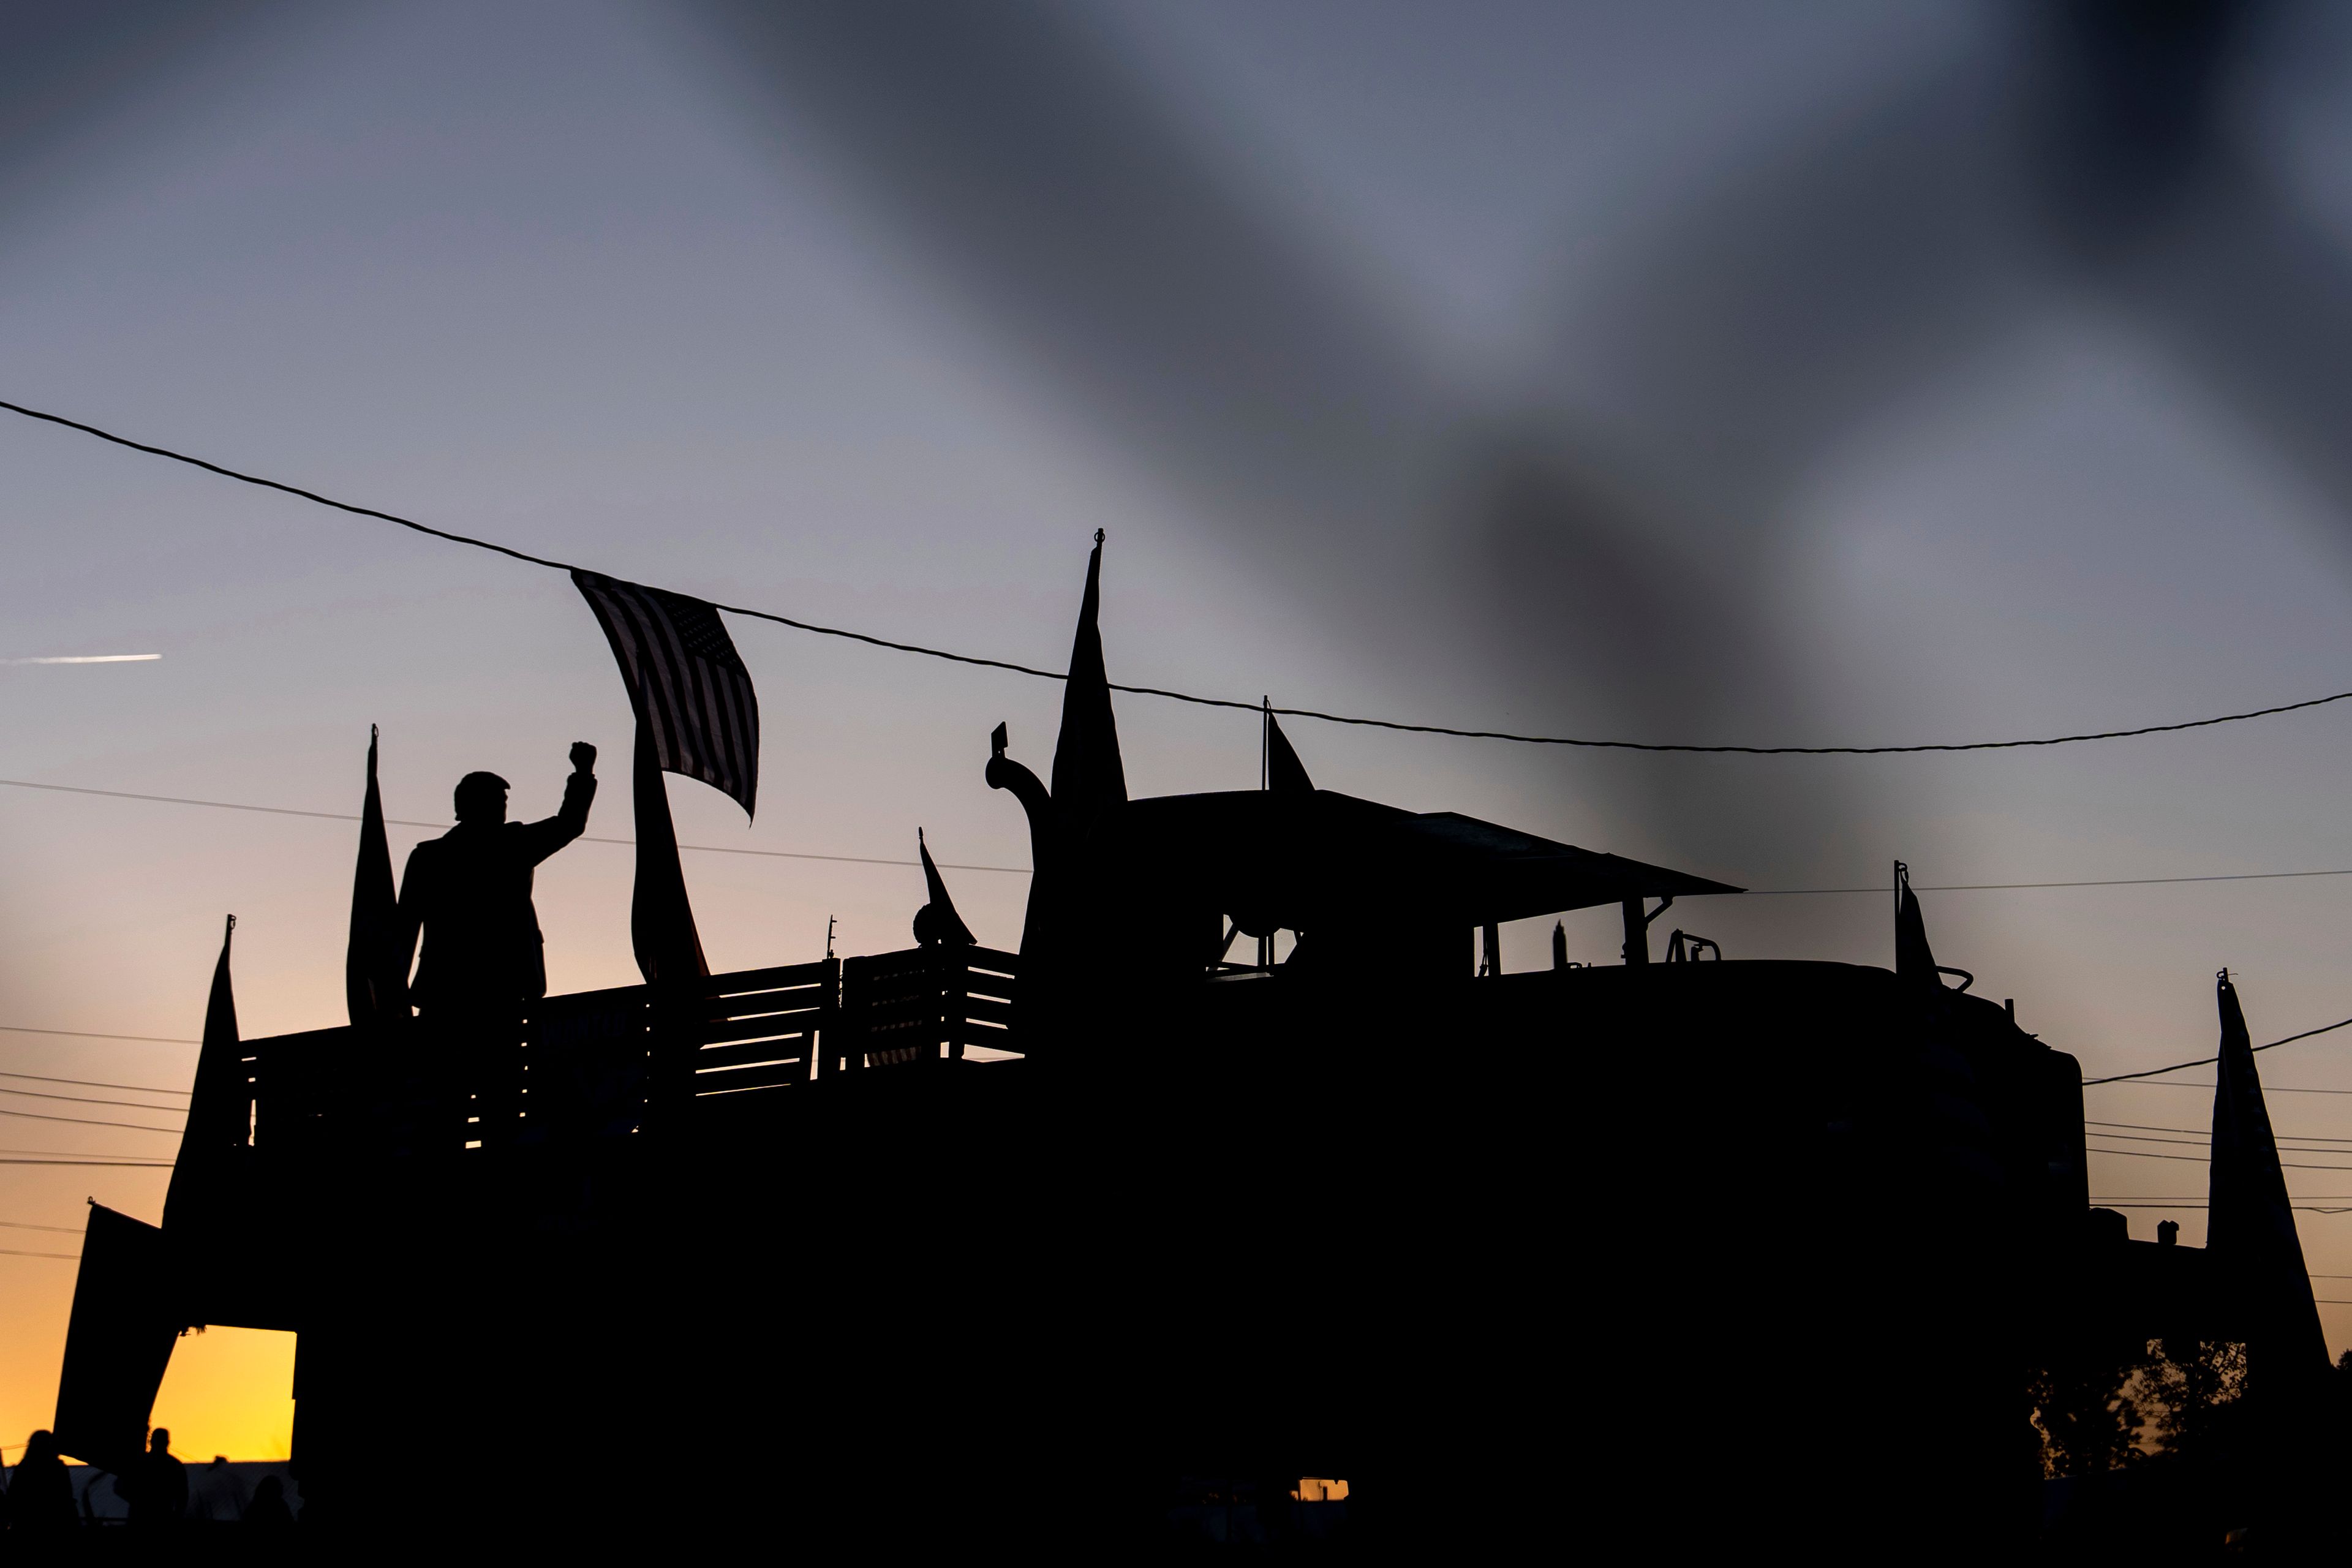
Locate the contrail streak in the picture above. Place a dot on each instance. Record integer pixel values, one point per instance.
(88, 658)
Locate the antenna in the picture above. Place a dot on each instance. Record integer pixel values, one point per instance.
(828, 936)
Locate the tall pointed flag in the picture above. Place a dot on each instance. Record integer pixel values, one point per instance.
(118, 1339)
(375, 979)
(1285, 775)
(937, 922)
(697, 715)
(687, 683)
(2250, 1226)
(219, 1107)
(1088, 779)
(661, 920)
(1915, 961)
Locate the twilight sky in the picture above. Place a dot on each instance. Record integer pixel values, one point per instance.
(1837, 373)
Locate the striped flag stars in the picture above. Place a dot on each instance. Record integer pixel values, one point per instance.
(687, 683)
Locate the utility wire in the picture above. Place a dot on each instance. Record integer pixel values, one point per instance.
(526, 556)
(440, 827)
(92, 1035)
(28, 1225)
(92, 1083)
(2268, 1089)
(2208, 1062)
(1023, 870)
(102, 1164)
(2202, 1159)
(2143, 1127)
(87, 1121)
(88, 1100)
(13, 1252)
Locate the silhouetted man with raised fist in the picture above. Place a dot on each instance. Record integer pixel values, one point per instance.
(468, 893)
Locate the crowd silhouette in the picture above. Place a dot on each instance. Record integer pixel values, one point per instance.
(38, 1495)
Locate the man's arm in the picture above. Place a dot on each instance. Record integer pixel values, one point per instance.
(541, 839)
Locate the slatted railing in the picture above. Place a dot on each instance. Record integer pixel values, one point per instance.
(602, 1063)
(926, 1006)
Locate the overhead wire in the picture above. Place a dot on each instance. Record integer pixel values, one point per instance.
(87, 1120)
(86, 1099)
(2208, 1062)
(102, 1164)
(1023, 870)
(95, 1035)
(2204, 1159)
(93, 1083)
(2268, 1089)
(442, 826)
(528, 558)
(2143, 1127)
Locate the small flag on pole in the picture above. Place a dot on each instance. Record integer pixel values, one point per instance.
(1088, 778)
(937, 924)
(686, 681)
(220, 1105)
(1284, 774)
(2249, 1219)
(375, 972)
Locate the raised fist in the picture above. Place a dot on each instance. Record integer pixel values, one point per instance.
(583, 757)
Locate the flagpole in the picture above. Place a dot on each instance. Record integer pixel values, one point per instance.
(1265, 781)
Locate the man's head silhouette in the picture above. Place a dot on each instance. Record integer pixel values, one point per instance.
(159, 1441)
(481, 797)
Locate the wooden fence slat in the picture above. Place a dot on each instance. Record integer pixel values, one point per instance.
(718, 1031)
(751, 1054)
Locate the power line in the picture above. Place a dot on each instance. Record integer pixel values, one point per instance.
(2143, 1127)
(2200, 1207)
(2012, 886)
(89, 1034)
(2208, 1062)
(86, 1121)
(92, 1083)
(26, 1224)
(527, 557)
(86, 1100)
(2268, 1089)
(103, 1164)
(439, 826)
(2202, 1159)
(2288, 1146)
(13, 1252)
(74, 1154)
(1023, 870)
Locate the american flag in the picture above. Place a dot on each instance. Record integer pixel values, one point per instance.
(686, 681)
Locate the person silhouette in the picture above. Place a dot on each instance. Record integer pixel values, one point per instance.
(157, 1487)
(40, 1492)
(218, 1494)
(269, 1504)
(466, 895)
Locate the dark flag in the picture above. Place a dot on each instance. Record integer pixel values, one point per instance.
(661, 920)
(117, 1340)
(937, 922)
(1088, 779)
(1915, 961)
(375, 972)
(697, 715)
(1285, 775)
(2250, 1224)
(687, 684)
(219, 1107)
